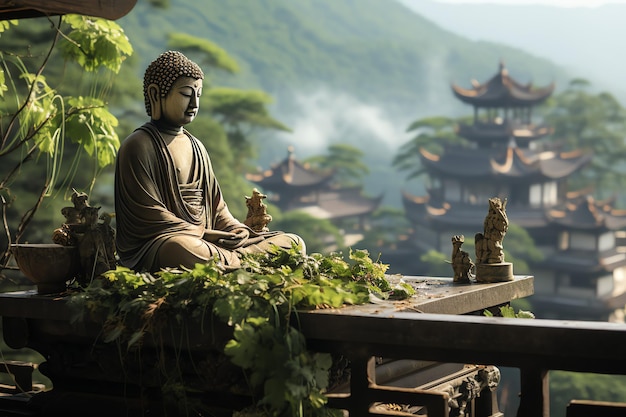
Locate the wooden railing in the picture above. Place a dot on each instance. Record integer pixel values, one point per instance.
(534, 346)
(442, 324)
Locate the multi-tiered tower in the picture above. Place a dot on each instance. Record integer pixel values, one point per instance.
(505, 160)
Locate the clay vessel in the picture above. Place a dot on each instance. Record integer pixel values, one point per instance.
(47, 265)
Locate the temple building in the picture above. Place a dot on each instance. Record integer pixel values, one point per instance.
(293, 185)
(509, 157)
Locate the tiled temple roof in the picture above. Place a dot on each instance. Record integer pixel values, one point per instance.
(340, 203)
(502, 91)
(463, 215)
(506, 163)
(585, 213)
(290, 174)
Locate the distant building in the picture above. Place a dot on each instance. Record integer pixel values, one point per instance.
(583, 274)
(293, 185)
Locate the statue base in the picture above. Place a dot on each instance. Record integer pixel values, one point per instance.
(500, 272)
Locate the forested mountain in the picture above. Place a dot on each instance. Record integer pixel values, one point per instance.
(352, 71)
(354, 68)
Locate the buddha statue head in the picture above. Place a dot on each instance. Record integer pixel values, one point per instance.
(169, 72)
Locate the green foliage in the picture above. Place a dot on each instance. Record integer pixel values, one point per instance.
(438, 264)
(596, 123)
(378, 52)
(235, 107)
(509, 312)
(42, 124)
(211, 54)
(520, 249)
(319, 234)
(345, 161)
(258, 301)
(432, 134)
(566, 386)
(95, 43)
(5, 24)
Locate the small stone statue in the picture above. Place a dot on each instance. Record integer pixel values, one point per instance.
(461, 261)
(95, 240)
(490, 265)
(257, 218)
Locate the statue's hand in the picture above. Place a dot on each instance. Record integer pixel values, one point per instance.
(214, 236)
(238, 239)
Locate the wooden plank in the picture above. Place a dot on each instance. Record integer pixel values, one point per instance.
(587, 408)
(544, 344)
(434, 295)
(108, 9)
(441, 296)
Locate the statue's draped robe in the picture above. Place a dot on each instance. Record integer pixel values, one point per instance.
(152, 207)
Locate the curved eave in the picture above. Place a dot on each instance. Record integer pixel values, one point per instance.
(502, 95)
(587, 214)
(338, 205)
(107, 9)
(573, 221)
(502, 133)
(565, 164)
(512, 164)
(587, 263)
(289, 174)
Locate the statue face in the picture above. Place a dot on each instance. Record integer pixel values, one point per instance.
(180, 105)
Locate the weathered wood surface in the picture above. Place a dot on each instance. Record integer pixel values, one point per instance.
(533, 346)
(433, 295)
(43, 323)
(108, 9)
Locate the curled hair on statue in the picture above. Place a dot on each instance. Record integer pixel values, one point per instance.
(165, 70)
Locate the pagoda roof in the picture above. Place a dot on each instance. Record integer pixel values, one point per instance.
(340, 203)
(505, 163)
(465, 216)
(290, 174)
(488, 133)
(588, 214)
(502, 91)
(583, 262)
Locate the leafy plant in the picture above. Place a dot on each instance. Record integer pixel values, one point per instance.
(509, 312)
(39, 123)
(258, 301)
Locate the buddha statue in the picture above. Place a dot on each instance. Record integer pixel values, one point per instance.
(168, 204)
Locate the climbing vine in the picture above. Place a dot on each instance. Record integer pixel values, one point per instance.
(258, 301)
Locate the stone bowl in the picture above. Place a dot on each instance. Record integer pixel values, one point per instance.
(47, 265)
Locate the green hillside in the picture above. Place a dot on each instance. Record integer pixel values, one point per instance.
(377, 51)
(350, 71)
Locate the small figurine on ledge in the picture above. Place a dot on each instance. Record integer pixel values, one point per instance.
(461, 262)
(257, 218)
(95, 240)
(490, 265)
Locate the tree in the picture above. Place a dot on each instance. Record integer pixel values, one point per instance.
(595, 123)
(432, 134)
(389, 227)
(346, 161)
(319, 234)
(240, 113)
(38, 122)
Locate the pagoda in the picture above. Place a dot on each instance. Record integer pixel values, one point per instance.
(505, 159)
(293, 185)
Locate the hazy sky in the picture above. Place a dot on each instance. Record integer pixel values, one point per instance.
(558, 3)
